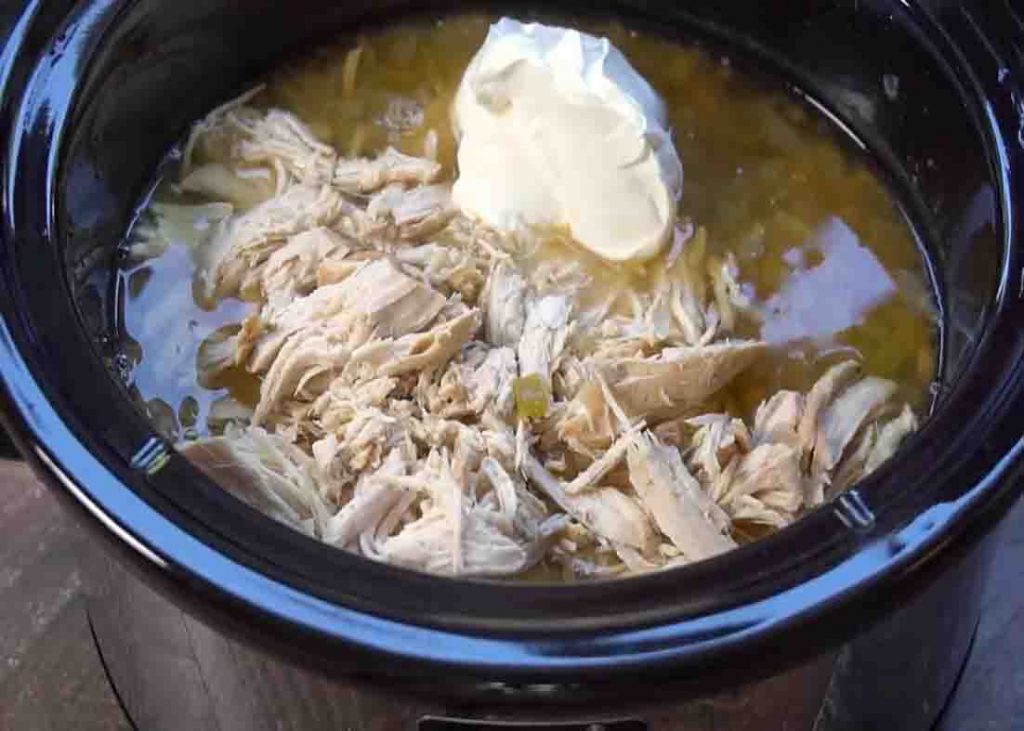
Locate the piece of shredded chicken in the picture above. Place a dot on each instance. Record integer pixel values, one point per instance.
(427, 401)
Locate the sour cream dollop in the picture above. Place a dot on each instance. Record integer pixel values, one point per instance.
(556, 128)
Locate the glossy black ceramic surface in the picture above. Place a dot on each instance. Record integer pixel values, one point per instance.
(93, 94)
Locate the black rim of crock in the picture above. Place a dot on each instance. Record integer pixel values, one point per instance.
(953, 470)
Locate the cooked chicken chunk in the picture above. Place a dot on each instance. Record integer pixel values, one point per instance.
(607, 511)
(778, 419)
(457, 535)
(587, 424)
(391, 166)
(767, 480)
(266, 471)
(217, 353)
(414, 352)
(677, 379)
(680, 508)
(416, 213)
(292, 270)
(524, 511)
(341, 401)
(281, 142)
(234, 258)
(854, 464)
(506, 305)
(481, 380)
(820, 396)
(242, 187)
(601, 466)
(544, 334)
(377, 300)
(845, 416)
(890, 436)
(484, 550)
(313, 338)
(373, 497)
(302, 369)
(719, 437)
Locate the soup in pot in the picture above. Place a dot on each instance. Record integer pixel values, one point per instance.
(490, 298)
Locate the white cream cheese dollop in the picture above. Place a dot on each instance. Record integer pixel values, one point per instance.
(556, 128)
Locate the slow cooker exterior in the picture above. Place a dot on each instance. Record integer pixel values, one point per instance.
(94, 93)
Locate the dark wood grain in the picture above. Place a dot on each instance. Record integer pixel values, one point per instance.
(59, 683)
(50, 674)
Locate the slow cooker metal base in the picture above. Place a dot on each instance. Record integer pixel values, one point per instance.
(172, 671)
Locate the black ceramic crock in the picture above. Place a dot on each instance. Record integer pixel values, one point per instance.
(94, 93)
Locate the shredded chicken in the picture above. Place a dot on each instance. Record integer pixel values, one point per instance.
(778, 419)
(291, 271)
(890, 436)
(677, 379)
(841, 421)
(719, 437)
(266, 471)
(608, 512)
(416, 213)
(365, 176)
(674, 498)
(762, 476)
(427, 401)
(544, 334)
(234, 259)
(506, 308)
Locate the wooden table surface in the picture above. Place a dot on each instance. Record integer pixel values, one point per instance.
(51, 676)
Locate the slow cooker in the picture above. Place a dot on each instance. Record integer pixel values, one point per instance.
(876, 592)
